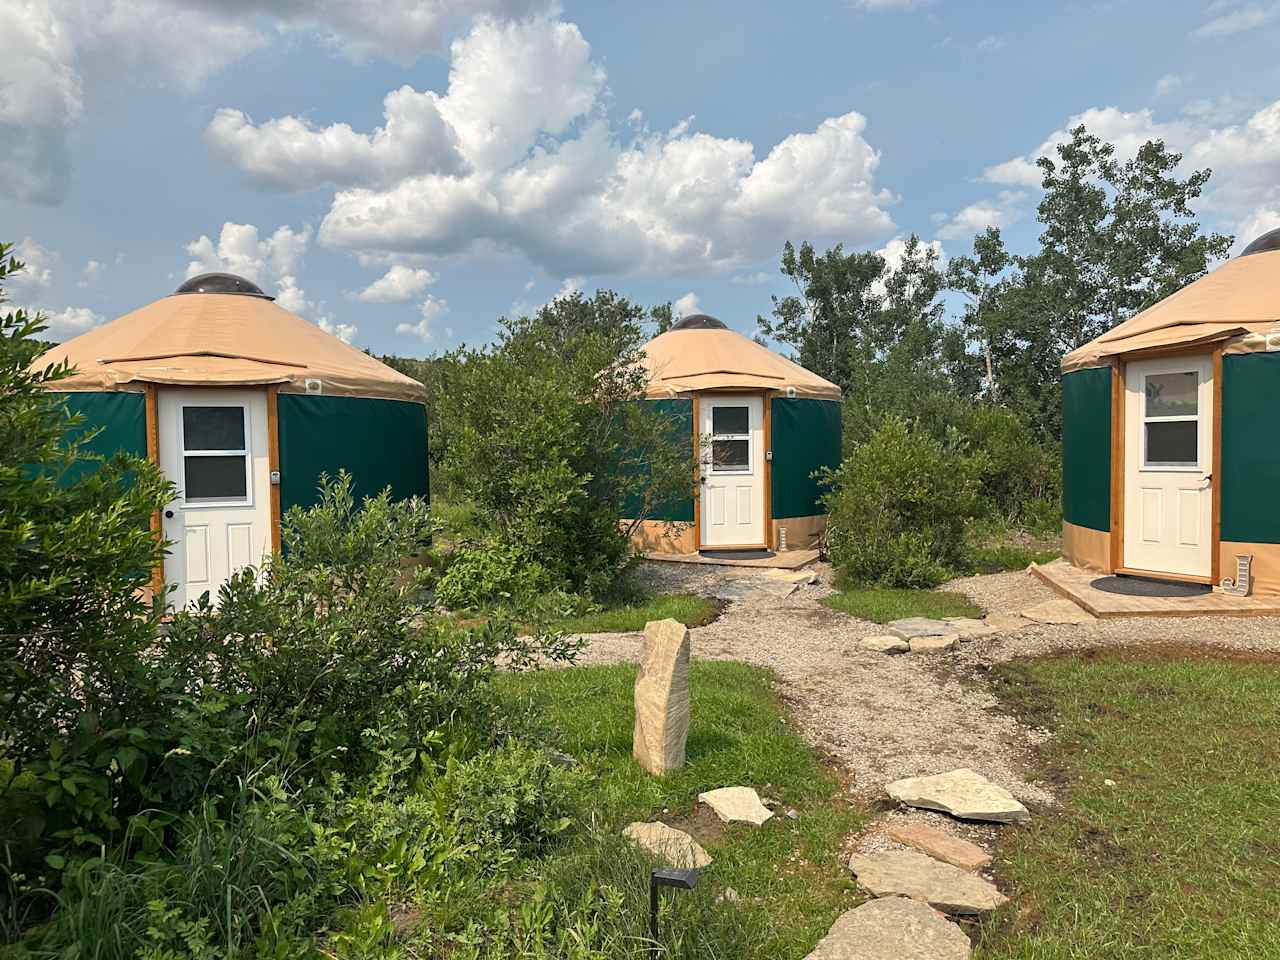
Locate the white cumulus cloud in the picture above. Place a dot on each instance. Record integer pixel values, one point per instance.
(686, 305)
(1000, 211)
(430, 309)
(399, 284)
(37, 266)
(56, 53)
(239, 250)
(526, 159)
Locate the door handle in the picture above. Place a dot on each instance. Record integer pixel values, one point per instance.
(168, 514)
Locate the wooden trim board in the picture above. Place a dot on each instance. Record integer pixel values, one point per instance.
(767, 459)
(1215, 524)
(153, 454)
(1117, 463)
(697, 474)
(273, 462)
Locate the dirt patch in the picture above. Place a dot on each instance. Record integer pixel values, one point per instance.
(702, 824)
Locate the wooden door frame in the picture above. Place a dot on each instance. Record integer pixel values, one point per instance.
(1118, 402)
(766, 455)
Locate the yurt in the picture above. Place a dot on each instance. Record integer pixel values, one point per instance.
(762, 425)
(243, 405)
(1171, 434)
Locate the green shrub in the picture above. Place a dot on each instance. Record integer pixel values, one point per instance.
(516, 798)
(492, 575)
(898, 507)
(550, 441)
(1021, 476)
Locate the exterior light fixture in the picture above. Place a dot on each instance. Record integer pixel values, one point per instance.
(667, 877)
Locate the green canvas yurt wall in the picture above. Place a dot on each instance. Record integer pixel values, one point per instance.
(1251, 448)
(805, 438)
(381, 443)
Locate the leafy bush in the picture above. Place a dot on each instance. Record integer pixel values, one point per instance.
(1021, 476)
(516, 798)
(898, 507)
(549, 439)
(318, 687)
(492, 574)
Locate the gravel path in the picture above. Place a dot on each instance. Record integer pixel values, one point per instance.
(886, 717)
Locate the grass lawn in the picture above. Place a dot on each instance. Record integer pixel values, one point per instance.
(1181, 857)
(688, 608)
(997, 557)
(787, 874)
(882, 604)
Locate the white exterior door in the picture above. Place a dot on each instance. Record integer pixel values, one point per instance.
(733, 471)
(213, 446)
(1168, 506)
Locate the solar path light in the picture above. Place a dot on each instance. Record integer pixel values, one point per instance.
(667, 877)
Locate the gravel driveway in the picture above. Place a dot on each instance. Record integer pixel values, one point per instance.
(886, 717)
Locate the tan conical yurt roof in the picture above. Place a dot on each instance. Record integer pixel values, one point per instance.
(701, 353)
(1238, 304)
(240, 338)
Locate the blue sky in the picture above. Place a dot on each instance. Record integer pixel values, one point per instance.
(403, 173)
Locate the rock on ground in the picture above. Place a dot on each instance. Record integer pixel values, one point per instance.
(885, 644)
(940, 846)
(662, 697)
(905, 873)
(893, 928)
(962, 793)
(1061, 610)
(935, 644)
(911, 627)
(736, 805)
(673, 847)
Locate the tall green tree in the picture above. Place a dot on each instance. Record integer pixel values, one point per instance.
(1118, 236)
(873, 328)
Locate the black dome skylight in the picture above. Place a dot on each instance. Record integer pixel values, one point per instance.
(698, 321)
(1266, 243)
(222, 283)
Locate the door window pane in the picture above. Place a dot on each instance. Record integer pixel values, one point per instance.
(731, 456)
(215, 478)
(1173, 444)
(1172, 394)
(213, 428)
(730, 420)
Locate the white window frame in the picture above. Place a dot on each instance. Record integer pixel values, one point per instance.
(1149, 467)
(247, 453)
(749, 469)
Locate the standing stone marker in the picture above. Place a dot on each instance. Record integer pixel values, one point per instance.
(662, 697)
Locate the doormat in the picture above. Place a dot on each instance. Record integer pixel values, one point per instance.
(1142, 587)
(737, 554)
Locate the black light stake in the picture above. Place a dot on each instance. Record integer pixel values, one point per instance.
(667, 877)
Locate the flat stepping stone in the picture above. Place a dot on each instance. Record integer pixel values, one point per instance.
(1007, 622)
(970, 628)
(941, 846)
(961, 793)
(885, 644)
(905, 873)
(1058, 611)
(673, 847)
(793, 576)
(893, 928)
(736, 805)
(935, 644)
(913, 627)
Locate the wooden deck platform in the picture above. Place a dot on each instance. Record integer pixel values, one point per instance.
(1074, 584)
(783, 560)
